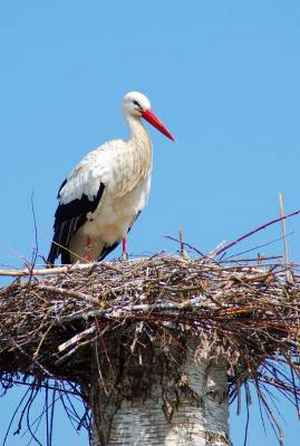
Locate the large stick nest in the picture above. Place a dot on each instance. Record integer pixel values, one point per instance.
(53, 321)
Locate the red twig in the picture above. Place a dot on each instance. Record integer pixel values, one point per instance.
(259, 228)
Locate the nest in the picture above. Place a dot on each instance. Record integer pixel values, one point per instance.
(137, 312)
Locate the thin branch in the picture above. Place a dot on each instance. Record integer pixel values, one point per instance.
(257, 229)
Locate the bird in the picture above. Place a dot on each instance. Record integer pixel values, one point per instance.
(102, 197)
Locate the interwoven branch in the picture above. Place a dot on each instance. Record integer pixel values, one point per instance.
(51, 321)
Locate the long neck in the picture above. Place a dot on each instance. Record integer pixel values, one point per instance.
(137, 131)
(138, 155)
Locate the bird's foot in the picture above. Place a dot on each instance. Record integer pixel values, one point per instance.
(124, 249)
(124, 256)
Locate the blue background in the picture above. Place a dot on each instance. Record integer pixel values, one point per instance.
(223, 76)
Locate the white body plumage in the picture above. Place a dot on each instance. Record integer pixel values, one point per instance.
(126, 172)
(103, 195)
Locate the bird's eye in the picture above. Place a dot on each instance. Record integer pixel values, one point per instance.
(136, 103)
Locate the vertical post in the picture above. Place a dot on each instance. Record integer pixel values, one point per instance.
(284, 238)
(190, 410)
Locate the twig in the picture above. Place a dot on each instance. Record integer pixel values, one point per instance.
(53, 271)
(35, 232)
(181, 241)
(284, 237)
(174, 239)
(254, 231)
(69, 293)
(76, 338)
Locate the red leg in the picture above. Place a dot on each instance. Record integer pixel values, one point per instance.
(87, 251)
(124, 249)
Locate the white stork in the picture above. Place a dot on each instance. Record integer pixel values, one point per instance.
(104, 194)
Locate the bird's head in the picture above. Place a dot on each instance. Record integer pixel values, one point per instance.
(138, 105)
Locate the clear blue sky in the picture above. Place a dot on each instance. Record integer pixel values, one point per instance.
(224, 76)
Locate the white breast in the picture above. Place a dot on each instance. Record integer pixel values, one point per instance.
(114, 216)
(126, 173)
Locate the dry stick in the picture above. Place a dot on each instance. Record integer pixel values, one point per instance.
(57, 270)
(73, 350)
(174, 239)
(76, 338)
(130, 310)
(181, 241)
(259, 228)
(36, 353)
(283, 229)
(69, 251)
(44, 271)
(70, 293)
(284, 238)
(35, 232)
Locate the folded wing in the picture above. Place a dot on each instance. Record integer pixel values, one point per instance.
(69, 217)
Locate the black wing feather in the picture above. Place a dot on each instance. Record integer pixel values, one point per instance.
(69, 218)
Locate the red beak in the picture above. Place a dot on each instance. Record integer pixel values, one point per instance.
(152, 119)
